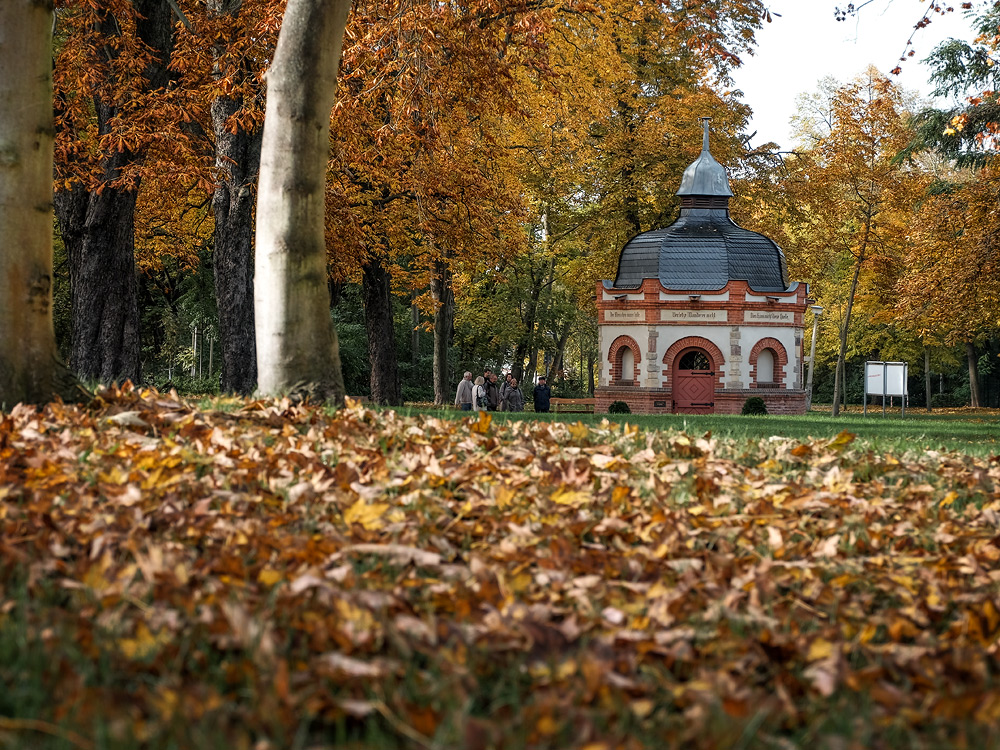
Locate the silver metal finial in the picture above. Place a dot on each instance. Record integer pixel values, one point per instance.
(704, 141)
(705, 176)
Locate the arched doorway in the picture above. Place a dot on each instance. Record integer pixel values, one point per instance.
(694, 382)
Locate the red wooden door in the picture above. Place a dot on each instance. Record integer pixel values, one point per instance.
(694, 383)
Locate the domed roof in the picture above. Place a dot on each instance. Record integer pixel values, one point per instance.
(704, 249)
(705, 176)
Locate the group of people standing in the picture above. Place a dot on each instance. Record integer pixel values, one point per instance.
(488, 392)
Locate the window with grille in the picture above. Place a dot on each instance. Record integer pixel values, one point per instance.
(694, 360)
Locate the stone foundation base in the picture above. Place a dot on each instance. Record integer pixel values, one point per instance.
(660, 401)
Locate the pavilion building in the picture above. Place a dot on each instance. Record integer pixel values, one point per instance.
(701, 314)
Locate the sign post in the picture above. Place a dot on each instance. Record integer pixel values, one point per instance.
(886, 379)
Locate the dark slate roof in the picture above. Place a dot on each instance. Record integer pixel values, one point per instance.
(702, 251)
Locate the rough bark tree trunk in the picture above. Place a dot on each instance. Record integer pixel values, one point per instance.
(927, 376)
(414, 336)
(98, 227)
(237, 161)
(838, 381)
(376, 292)
(525, 344)
(528, 372)
(970, 353)
(29, 367)
(99, 233)
(444, 319)
(296, 340)
(557, 361)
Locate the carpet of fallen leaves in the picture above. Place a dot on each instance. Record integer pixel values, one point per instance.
(272, 576)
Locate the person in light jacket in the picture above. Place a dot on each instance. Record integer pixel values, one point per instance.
(463, 396)
(479, 402)
(514, 399)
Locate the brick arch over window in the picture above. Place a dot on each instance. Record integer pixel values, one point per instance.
(615, 357)
(780, 360)
(692, 342)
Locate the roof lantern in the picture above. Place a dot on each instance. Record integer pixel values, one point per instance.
(705, 176)
(703, 249)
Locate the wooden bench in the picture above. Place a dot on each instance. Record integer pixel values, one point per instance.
(572, 405)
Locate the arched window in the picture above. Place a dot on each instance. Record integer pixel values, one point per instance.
(768, 359)
(628, 364)
(765, 367)
(694, 360)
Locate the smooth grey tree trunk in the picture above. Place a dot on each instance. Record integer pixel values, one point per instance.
(296, 340)
(29, 366)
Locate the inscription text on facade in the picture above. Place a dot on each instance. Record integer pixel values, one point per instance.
(768, 316)
(624, 316)
(693, 316)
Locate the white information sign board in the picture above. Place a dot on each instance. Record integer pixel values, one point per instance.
(886, 379)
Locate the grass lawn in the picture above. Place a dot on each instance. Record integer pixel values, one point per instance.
(976, 432)
(261, 575)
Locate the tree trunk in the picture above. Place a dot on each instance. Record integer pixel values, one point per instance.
(842, 355)
(237, 161)
(927, 376)
(98, 225)
(377, 298)
(99, 233)
(557, 361)
(970, 352)
(444, 319)
(296, 339)
(591, 362)
(525, 344)
(414, 336)
(29, 366)
(528, 373)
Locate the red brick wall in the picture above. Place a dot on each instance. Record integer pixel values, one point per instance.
(644, 400)
(615, 357)
(780, 360)
(692, 342)
(779, 399)
(735, 307)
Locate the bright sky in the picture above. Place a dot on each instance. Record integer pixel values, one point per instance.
(795, 51)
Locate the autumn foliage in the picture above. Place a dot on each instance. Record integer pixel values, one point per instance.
(267, 573)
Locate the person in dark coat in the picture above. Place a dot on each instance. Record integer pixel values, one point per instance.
(493, 392)
(504, 387)
(541, 396)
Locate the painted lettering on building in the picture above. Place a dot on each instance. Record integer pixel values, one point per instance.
(693, 316)
(624, 316)
(768, 316)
